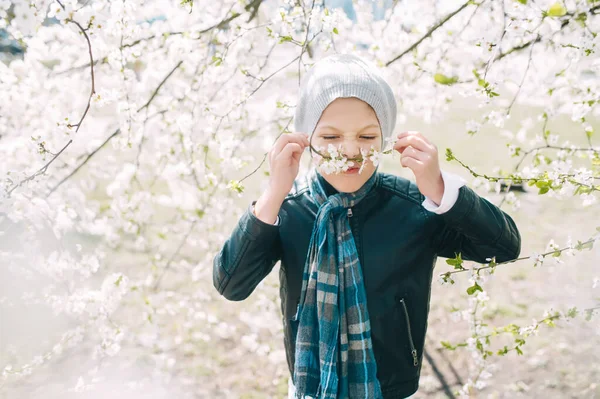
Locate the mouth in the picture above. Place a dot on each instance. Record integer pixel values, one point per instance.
(352, 170)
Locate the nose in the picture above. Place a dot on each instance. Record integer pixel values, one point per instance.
(352, 149)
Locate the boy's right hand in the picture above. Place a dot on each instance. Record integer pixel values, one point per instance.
(284, 162)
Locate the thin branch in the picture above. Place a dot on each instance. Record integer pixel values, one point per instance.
(305, 44)
(87, 158)
(80, 67)
(508, 109)
(265, 155)
(174, 254)
(252, 6)
(430, 32)
(160, 85)
(459, 34)
(477, 269)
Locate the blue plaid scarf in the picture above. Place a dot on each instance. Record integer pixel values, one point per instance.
(334, 353)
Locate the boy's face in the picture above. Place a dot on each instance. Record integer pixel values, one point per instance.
(353, 124)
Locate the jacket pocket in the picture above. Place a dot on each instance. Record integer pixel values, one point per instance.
(394, 347)
(413, 350)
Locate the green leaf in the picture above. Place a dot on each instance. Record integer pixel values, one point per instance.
(236, 185)
(503, 351)
(284, 39)
(581, 246)
(557, 10)
(335, 30)
(543, 185)
(581, 18)
(588, 314)
(522, 1)
(456, 262)
(546, 134)
(572, 312)
(550, 323)
(471, 290)
(445, 80)
(447, 279)
(518, 349)
(449, 155)
(448, 345)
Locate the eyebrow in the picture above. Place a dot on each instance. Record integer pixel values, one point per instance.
(338, 130)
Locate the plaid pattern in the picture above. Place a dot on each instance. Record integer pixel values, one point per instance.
(334, 354)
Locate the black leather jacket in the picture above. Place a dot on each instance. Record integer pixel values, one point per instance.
(398, 242)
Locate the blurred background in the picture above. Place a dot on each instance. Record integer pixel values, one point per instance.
(133, 134)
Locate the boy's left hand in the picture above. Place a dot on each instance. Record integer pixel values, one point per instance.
(421, 156)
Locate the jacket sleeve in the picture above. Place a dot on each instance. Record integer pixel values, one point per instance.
(477, 229)
(247, 257)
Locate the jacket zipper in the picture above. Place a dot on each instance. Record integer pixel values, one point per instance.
(412, 345)
(353, 221)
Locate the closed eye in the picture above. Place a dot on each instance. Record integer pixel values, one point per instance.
(335, 137)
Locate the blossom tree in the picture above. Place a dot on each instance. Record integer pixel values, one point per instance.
(129, 130)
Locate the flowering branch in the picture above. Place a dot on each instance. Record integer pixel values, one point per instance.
(44, 168)
(544, 183)
(458, 261)
(336, 162)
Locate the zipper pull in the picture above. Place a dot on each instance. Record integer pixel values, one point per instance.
(349, 212)
(415, 359)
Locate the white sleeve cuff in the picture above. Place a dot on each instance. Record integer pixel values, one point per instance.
(276, 221)
(452, 183)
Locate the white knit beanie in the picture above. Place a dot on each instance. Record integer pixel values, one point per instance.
(344, 75)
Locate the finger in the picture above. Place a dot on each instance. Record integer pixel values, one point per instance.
(415, 133)
(289, 150)
(407, 133)
(283, 140)
(412, 163)
(415, 141)
(410, 151)
(297, 155)
(298, 138)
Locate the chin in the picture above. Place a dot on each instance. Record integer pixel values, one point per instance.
(350, 183)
